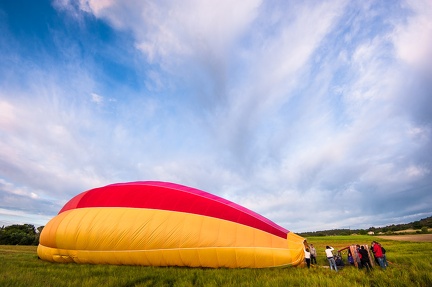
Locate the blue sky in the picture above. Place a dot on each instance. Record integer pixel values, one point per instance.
(315, 114)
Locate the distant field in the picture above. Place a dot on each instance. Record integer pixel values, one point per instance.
(409, 237)
(410, 231)
(406, 231)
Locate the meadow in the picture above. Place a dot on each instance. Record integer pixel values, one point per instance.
(410, 265)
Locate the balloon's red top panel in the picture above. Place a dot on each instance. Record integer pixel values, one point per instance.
(174, 197)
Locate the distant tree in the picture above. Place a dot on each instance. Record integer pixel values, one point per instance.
(24, 234)
(424, 229)
(39, 229)
(417, 225)
(424, 222)
(394, 227)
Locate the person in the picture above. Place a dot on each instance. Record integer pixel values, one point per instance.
(339, 261)
(313, 254)
(358, 257)
(373, 252)
(350, 258)
(365, 261)
(378, 254)
(384, 255)
(330, 258)
(307, 257)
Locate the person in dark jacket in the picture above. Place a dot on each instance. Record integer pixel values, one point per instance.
(384, 255)
(358, 257)
(365, 261)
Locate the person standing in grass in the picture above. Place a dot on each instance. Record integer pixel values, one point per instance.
(313, 254)
(306, 244)
(358, 256)
(384, 255)
(365, 261)
(307, 257)
(330, 258)
(373, 252)
(378, 254)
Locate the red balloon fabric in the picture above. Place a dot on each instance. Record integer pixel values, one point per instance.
(174, 197)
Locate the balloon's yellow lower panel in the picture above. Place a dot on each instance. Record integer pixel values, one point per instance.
(296, 248)
(248, 257)
(133, 236)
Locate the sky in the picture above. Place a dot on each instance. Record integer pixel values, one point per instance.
(315, 114)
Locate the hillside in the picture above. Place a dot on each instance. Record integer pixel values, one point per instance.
(419, 226)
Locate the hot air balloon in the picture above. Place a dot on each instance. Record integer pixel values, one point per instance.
(155, 223)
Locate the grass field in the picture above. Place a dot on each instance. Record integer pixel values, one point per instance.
(411, 265)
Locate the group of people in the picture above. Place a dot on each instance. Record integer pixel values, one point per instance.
(310, 254)
(361, 256)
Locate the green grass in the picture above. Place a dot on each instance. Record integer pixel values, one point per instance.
(411, 266)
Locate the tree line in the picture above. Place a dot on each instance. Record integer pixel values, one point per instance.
(20, 234)
(421, 226)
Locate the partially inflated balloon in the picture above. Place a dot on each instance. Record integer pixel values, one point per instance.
(165, 224)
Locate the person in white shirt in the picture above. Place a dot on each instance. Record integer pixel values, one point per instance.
(330, 258)
(307, 257)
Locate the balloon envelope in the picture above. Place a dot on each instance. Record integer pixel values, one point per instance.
(164, 224)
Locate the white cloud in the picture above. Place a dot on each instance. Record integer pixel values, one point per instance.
(7, 115)
(95, 6)
(96, 98)
(413, 41)
(414, 172)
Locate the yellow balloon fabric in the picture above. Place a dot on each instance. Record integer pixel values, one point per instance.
(88, 230)
(162, 238)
